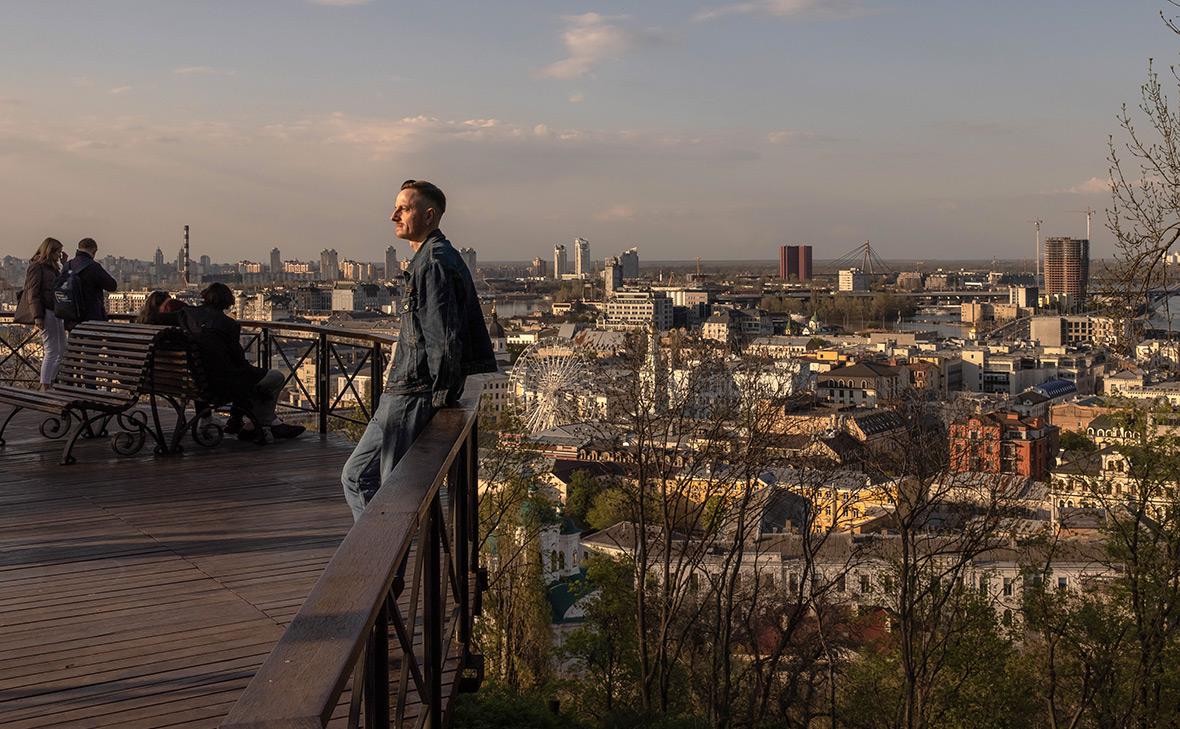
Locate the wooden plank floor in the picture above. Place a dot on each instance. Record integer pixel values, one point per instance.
(144, 591)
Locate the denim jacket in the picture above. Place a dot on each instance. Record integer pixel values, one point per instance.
(443, 336)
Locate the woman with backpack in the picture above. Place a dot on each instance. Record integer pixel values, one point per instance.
(36, 304)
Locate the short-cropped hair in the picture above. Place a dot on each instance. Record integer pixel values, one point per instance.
(218, 296)
(88, 244)
(430, 191)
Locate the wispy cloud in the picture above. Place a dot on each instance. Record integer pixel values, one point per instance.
(121, 89)
(618, 213)
(386, 138)
(577, 98)
(817, 9)
(203, 71)
(1092, 186)
(977, 127)
(589, 40)
(796, 136)
(85, 134)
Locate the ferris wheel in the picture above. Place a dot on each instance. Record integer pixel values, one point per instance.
(544, 382)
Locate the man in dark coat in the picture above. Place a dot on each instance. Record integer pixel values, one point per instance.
(231, 376)
(94, 280)
(442, 340)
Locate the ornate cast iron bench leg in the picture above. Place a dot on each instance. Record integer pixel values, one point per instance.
(84, 426)
(8, 419)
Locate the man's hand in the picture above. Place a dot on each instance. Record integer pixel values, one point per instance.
(38, 324)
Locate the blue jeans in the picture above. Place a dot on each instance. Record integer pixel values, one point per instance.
(265, 397)
(398, 421)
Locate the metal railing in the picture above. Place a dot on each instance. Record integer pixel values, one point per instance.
(324, 366)
(393, 610)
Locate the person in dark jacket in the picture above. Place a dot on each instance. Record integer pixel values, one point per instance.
(95, 282)
(442, 340)
(35, 306)
(231, 376)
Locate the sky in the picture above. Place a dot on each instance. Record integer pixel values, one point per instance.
(937, 129)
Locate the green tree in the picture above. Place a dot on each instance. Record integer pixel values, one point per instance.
(610, 507)
(514, 632)
(580, 495)
(1074, 644)
(498, 707)
(981, 680)
(603, 648)
(1074, 441)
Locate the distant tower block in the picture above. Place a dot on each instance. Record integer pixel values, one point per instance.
(468, 255)
(560, 261)
(185, 258)
(794, 262)
(581, 257)
(391, 265)
(630, 263)
(612, 274)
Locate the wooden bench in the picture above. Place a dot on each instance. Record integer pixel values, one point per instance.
(179, 378)
(103, 373)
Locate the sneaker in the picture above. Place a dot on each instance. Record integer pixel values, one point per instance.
(283, 430)
(261, 436)
(233, 426)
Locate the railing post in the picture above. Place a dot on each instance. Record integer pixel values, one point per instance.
(376, 371)
(322, 381)
(264, 348)
(473, 491)
(430, 543)
(377, 671)
(460, 540)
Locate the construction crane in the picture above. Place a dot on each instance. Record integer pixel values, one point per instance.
(1089, 213)
(1037, 223)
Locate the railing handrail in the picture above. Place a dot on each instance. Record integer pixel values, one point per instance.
(322, 329)
(368, 336)
(321, 350)
(300, 683)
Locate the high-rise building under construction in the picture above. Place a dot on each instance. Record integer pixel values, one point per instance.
(1067, 267)
(560, 261)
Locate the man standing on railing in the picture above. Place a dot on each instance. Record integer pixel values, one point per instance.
(442, 340)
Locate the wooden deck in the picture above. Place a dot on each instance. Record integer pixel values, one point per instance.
(145, 591)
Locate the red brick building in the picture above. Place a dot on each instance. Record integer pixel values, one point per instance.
(1003, 442)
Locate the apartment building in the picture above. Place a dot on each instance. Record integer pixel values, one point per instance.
(1003, 442)
(861, 384)
(637, 309)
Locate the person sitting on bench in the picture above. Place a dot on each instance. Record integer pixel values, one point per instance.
(157, 304)
(232, 378)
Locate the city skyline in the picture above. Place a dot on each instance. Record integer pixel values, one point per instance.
(291, 124)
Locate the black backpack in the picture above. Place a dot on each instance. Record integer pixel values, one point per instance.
(68, 303)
